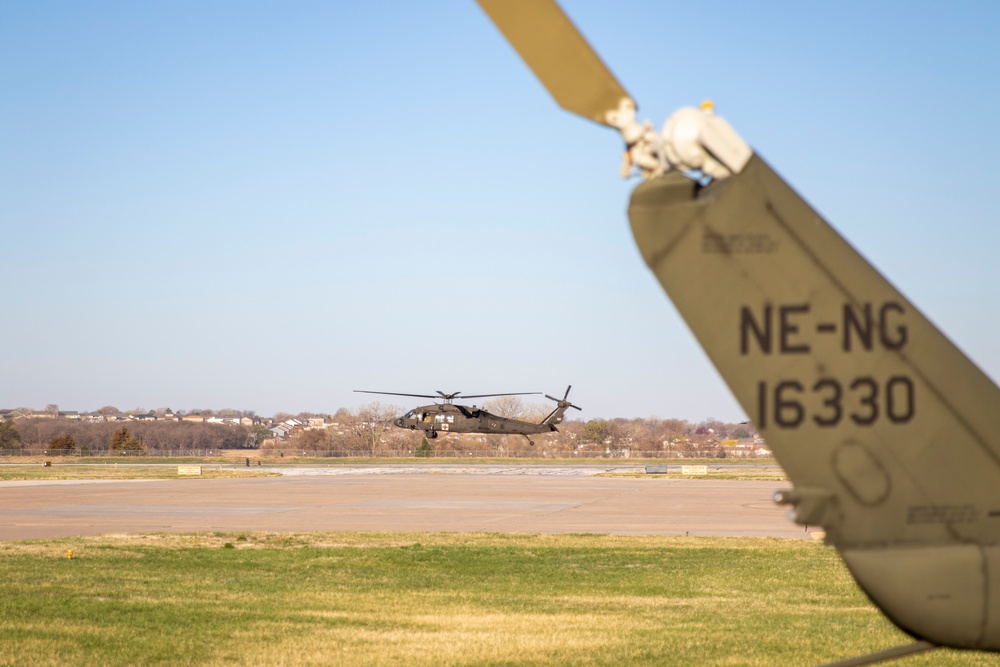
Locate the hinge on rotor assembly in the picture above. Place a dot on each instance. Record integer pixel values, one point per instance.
(694, 141)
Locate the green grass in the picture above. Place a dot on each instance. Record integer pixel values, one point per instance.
(435, 599)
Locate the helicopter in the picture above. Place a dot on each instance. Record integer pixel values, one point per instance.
(885, 429)
(448, 417)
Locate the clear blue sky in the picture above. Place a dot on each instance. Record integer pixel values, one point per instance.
(266, 205)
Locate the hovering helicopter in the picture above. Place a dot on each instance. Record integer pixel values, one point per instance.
(447, 417)
(886, 430)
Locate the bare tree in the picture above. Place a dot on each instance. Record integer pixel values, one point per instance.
(511, 407)
(371, 422)
(108, 410)
(52, 409)
(310, 441)
(536, 412)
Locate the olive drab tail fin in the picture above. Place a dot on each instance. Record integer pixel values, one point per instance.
(887, 431)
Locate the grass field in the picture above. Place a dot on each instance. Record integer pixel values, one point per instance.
(435, 599)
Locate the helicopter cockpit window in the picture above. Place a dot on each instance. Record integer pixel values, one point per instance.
(410, 414)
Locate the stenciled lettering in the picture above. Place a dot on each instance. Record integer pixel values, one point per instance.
(788, 326)
(864, 400)
(785, 328)
(750, 325)
(861, 324)
(893, 337)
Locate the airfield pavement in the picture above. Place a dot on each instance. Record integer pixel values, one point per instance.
(506, 499)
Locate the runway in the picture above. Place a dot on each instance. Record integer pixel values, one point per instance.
(506, 499)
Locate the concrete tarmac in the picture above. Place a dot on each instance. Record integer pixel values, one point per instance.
(506, 499)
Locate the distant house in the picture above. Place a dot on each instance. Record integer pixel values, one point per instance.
(286, 428)
(69, 414)
(223, 419)
(192, 418)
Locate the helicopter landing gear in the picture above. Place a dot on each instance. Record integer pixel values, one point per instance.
(530, 442)
(431, 435)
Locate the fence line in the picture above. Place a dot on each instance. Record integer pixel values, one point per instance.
(272, 454)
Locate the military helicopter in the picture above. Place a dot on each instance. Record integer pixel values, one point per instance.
(447, 417)
(886, 430)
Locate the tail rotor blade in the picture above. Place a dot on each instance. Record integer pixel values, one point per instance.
(563, 403)
(560, 57)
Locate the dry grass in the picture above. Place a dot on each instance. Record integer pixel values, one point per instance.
(113, 471)
(750, 473)
(434, 599)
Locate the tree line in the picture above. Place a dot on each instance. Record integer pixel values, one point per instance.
(369, 431)
(69, 436)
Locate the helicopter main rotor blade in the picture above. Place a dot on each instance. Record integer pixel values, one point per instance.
(516, 393)
(443, 395)
(394, 393)
(560, 57)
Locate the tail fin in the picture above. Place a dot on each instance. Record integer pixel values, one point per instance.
(556, 416)
(888, 432)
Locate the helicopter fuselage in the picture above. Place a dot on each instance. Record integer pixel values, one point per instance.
(450, 418)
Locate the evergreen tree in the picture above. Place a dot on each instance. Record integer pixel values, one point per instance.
(9, 437)
(62, 444)
(125, 443)
(424, 450)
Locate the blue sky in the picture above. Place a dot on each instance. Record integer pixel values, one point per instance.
(266, 205)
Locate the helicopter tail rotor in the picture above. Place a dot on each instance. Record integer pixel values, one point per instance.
(562, 404)
(694, 141)
(560, 57)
